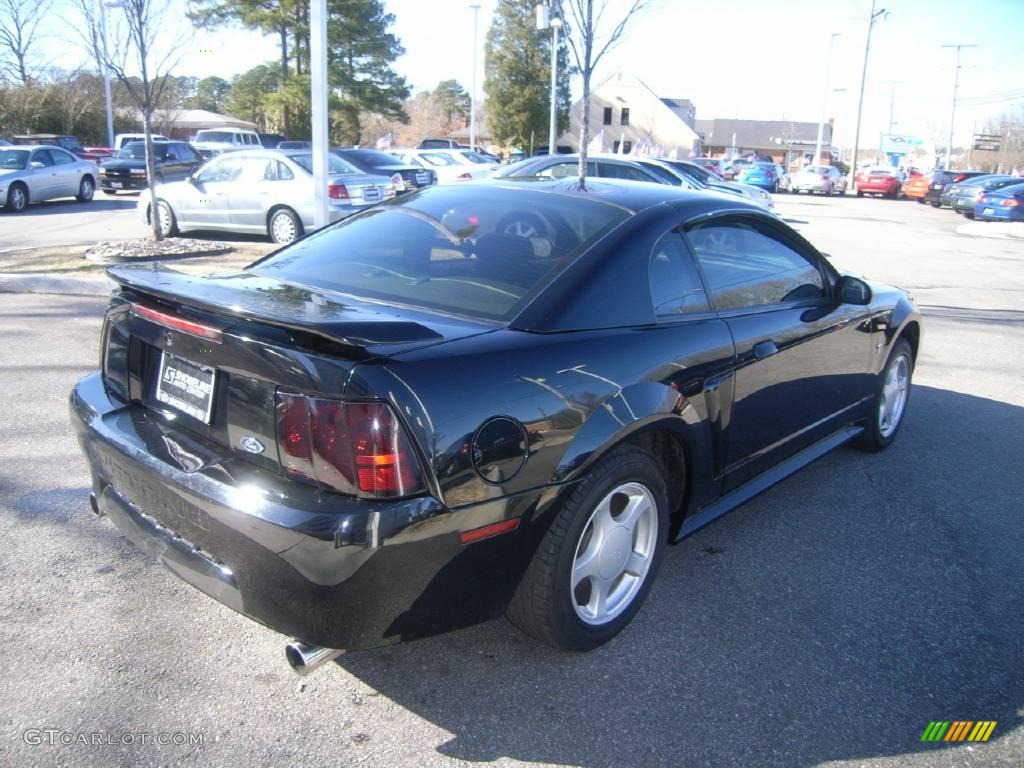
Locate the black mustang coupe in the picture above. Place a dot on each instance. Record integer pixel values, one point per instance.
(417, 419)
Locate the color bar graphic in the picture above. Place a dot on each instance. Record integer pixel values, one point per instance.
(959, 730)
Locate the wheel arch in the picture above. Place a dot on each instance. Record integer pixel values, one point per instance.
(671, 429)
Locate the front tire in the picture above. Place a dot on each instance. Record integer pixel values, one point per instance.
(17, 198)
(168, 221)
(890, 404)
(595, 565)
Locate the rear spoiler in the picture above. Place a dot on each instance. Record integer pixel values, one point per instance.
(246, 296)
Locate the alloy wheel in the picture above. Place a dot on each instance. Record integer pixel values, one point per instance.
(894, 396)
(16, 198)
(614, 554)
(282, 228)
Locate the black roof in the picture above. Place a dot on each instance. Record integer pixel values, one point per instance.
(634, 196)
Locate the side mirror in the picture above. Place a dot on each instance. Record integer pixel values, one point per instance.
(37, 164)
(853, 290)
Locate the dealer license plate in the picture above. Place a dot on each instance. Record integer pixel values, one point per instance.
(186, 386)
(988, 211)
(116, 184)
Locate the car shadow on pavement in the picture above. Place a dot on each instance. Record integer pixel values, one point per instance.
(831, 618)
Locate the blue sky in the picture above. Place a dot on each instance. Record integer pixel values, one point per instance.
(744, 58)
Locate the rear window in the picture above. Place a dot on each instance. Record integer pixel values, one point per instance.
(477, 252)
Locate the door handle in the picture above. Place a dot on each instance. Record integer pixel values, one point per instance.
(765, 349)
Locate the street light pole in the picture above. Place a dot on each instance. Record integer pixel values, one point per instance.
(472, 95)
(550, 16)
(863, 78)
(956, 87)
(824, 99)
(106, 70)
(556, 24)
(318, 97)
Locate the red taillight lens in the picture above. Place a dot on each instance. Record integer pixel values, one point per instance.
(357, 448)
(337, 192)
(1010, 203)
(824, 177)
(464, 176)
(178, 323)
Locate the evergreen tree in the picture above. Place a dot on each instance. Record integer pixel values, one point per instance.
(518, 77)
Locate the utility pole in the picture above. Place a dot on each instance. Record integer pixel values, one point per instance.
(892, 102)
(956, 87)
(824, 102)
(472, 95)
(319, 123)
(863, 78)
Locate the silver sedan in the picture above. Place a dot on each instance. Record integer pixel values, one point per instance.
(37, 173)
(262, 191)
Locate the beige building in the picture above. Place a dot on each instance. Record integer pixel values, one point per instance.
(626, 113)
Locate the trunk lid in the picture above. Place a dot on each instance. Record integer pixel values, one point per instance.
(214, 351)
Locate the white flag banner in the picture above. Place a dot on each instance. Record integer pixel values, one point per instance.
(596, 144)
(384, 142)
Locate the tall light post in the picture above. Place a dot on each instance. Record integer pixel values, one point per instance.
(863, 78)
(956, 87)
(318, 102)
(472, 95)
(548, 16)
(824, 98)
(104, 4)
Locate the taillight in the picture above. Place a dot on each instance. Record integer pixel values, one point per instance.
(356, 448)
(824, 177)
(979, 197)
(1010, 203)
(337, 192)
(464, 176)
(398, 182)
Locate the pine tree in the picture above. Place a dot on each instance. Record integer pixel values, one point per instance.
(518, 77)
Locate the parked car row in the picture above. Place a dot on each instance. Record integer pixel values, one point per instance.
(973, 194)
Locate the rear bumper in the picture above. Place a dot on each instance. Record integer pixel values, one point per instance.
(326, 569)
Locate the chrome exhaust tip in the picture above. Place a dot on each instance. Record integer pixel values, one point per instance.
(304, 659)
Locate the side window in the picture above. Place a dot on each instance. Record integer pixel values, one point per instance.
(42, 156)
(255, 169)
(621, 171)
(222, 169)
(676, 288)
(284, 173)
(171, 153)
(186, 153)
(60, 157)
(748, 265)
(559, 171)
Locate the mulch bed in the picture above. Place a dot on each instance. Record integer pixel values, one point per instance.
(147, 249)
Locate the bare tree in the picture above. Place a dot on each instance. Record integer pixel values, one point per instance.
(592, 33)
(19, 23)
(141, 43)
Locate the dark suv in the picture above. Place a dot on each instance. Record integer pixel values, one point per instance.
(172, 161)
(941, 179)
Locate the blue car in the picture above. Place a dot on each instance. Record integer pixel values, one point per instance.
(763, 175)
(1006, 204)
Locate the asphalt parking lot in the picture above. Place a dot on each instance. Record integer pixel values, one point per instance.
(826, 622)
(69, 222)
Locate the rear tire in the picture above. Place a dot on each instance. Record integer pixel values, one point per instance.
(17, 198)
(283, 226)
(597, 561)
(890, 404)
(935, 203)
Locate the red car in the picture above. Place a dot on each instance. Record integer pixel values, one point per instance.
(71, 143)
(710, 164)
(878, 181)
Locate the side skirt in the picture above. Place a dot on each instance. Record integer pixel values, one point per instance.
(766, 480)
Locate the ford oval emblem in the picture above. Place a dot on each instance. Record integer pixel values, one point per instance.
(252, 445)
